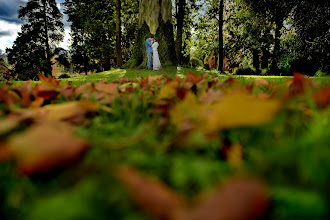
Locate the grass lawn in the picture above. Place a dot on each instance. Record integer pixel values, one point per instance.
(171, 71)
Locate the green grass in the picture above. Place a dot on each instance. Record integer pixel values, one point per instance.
(171, 71)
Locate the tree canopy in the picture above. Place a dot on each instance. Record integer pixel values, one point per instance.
(262, 37)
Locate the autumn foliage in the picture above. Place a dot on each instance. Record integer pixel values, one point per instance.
(239, 131)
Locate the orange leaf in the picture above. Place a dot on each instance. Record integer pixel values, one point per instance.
(154, 197)
(193, 78)
(45, 146)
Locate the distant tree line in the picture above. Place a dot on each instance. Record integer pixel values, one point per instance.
(255, 36)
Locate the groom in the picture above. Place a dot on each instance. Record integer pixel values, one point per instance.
(149, 52)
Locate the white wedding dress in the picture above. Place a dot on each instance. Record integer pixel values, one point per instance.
(155, 59)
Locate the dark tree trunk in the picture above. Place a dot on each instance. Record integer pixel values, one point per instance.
(220, 66)
(264, 58)
(166, 47)
(48, 71)
(180, 17)
(118, 34)
(255, 53)
(274, 68)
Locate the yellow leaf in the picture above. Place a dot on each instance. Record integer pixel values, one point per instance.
(168, 90)
(237, 110)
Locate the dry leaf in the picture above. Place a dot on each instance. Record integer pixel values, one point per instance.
(236, 200)
(154, 197)
(237, 110)
(45, 146)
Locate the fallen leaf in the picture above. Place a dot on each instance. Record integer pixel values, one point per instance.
(237, 110)
(193, 78)
(153, 196)
(322, 97)
(236, 200)
(168, 91)
(108, 88)
(45, 146)
(68, 111)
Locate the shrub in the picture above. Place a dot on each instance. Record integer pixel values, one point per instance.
(63, 76)
(195, 62)
(245, 71)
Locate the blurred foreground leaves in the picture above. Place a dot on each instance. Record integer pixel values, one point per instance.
(162, 148)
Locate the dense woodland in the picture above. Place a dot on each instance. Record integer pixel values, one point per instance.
(274, 37)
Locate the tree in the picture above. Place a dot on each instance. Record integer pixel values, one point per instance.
(118, 34)
(43, 31)
(154, 18)
(220, 66)
(275, 11)
(93, 34)
(311, 25)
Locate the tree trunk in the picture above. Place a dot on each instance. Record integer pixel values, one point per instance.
(118, 34)
(255, 53)
(180, 17)
(264, 59)
(48, 71)
(220, 66)
(155, 19)
(274, 68)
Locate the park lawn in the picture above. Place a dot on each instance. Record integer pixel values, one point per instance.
(172, 71)
(125, 149)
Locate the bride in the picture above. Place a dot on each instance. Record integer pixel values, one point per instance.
(156, 61)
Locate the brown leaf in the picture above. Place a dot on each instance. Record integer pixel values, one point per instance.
(45, 146)
(299, 84)
(236, 200)
(69, 111)
(26, 92)
(8, 97)
(108, 88)
(154, 197)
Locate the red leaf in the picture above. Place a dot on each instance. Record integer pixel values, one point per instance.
(322, 97)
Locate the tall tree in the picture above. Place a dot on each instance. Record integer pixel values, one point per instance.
(276, 11)
(155, 18)
(93, 33)
(42, 32)
(118, 34)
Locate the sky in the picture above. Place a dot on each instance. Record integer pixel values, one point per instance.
(10, 24)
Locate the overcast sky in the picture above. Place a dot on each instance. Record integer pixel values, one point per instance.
(10, 24)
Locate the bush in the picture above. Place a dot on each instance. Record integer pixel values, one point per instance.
(245, 71)
(320, 73)
(64, 76)
(195, 62)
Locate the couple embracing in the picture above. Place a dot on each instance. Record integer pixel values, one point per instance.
(152, 51)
